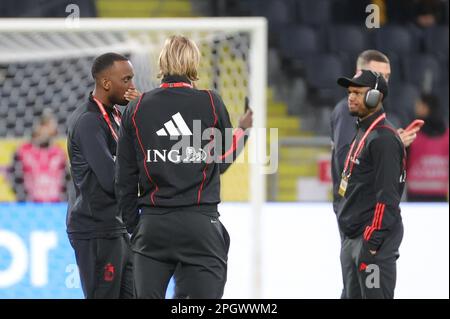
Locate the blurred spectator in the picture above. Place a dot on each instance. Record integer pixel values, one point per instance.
(423, 13)
(420, 16)
(428, 13)
(427, 167)
(39, 171)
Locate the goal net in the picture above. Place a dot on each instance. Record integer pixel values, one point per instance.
(45, 63)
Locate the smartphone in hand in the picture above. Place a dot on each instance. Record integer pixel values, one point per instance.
(415, 124)
(247, 105)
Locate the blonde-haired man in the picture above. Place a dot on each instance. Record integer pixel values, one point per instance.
(173, 143)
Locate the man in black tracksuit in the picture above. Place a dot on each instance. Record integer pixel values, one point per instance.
(170, 143)
(371, 186)
(94, 223)
(343, 127)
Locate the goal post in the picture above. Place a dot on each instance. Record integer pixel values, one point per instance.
(234, 62)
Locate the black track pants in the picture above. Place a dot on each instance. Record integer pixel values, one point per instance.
(369, 276)
(105, 267)
(191, 246)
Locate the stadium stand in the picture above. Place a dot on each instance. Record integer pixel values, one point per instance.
(311, 43)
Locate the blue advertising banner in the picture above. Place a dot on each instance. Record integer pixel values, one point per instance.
(36, 258)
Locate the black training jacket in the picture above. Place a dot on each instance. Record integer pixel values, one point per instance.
(93, 212)
(370, 206)
(168, 156)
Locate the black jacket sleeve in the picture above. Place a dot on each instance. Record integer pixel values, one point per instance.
(387, 155)
(343, 130)
(233, 141)
(127, 173)
(93, 142)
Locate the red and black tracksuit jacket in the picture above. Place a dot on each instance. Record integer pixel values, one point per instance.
(92, 212)
(146, 138)
(370, 206)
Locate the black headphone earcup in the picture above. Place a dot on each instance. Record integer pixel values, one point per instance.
(372, 98)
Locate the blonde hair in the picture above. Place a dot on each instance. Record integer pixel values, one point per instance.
(179, 56)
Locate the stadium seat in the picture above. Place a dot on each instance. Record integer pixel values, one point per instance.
(37, 110)
(423, 71)
(436, 41)
(3, 109)
(6, 87)
(442, 92)
(401, 101)
(19, 128)
(299, 42)
(20, 109)
(394, 39)
(29, 116)
(322, 71)
(348, 41)
(346, 38)
(279, 13)
(343, 11)
(314, 13)
(10, 122)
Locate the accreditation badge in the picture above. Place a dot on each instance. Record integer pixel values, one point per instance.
(343, 185)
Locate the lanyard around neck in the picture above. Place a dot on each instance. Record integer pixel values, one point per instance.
(105, 115)
(176, 85)
(360, 145)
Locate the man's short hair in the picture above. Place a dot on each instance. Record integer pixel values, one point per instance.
(367, 56)
(105, 61)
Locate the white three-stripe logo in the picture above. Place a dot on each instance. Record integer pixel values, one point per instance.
(181, 127)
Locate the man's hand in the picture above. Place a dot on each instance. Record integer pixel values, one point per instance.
(246, 120)
(132, 94)
(408, 137)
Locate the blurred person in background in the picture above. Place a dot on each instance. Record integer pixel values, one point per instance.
(95, 227)
(422, 14)
(428, 13)
(427, 164)
(39, 172)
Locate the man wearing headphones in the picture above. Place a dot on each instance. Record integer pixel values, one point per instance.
(371, 186)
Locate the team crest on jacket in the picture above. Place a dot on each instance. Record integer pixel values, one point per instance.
(108, 272)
